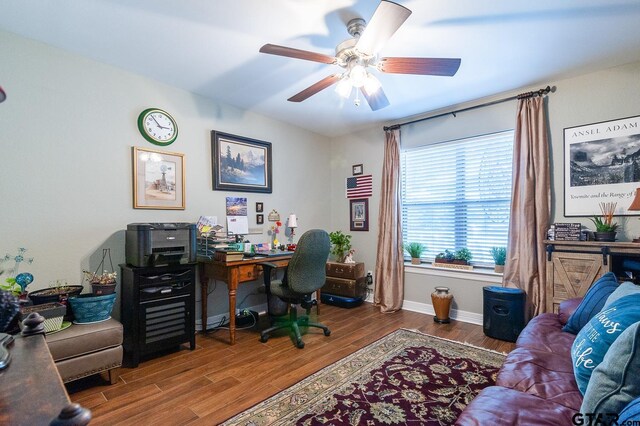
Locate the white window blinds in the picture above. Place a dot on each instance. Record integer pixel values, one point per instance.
(457, 194)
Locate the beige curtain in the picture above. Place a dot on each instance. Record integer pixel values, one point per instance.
(389, 276)
(530, 204)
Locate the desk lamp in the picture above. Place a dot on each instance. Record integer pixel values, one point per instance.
(292, 223)
(635, 206)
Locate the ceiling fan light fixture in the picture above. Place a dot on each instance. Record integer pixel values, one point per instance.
(371, 84)
(358, 75)
(343, 88)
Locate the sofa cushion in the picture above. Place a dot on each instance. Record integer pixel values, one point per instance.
(81, 339)
(544, 333)
(630, 412)
(498, 406)
(567, 308)
(595, 339)
(592, 302)
(614, 383)
(543, 374)
(625, 289)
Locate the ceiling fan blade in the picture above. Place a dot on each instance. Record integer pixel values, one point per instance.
(315, 88)
(376, 100)
(386, 20)
(290, 52)
(423, 66)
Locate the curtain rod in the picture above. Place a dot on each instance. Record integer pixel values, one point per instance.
(524, 95)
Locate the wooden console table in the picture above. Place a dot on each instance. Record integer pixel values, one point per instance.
(232, 273)
(572, 266)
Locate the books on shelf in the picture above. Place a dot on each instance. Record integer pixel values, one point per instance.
(566, 231)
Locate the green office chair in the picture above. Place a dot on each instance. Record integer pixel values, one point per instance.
(303, 276)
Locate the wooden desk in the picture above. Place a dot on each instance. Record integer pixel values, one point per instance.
(232, 273)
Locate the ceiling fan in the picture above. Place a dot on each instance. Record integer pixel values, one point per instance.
(359, 53)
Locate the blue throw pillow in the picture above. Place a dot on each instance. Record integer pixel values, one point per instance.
(595, 338)
(630, 412)
(592, 302)
(625, 289)
(614, 383)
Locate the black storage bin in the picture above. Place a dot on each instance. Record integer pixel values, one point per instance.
(503, 312)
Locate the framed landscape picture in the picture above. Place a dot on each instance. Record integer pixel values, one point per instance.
(240, 164)
(601, 165)
(158, 179)
(359, 214)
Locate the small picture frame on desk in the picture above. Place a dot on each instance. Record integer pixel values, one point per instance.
(357, 169)
(260, 219)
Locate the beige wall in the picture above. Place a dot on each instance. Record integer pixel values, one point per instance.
(66, 132)
(594, 97)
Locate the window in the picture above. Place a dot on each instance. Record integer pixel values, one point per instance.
(457, 194)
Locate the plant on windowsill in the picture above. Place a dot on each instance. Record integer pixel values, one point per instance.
(605, 226)
(454, 260)
(340, 245)
(499, 258)
(415, 251)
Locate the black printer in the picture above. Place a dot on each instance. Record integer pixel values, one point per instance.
(160, 244)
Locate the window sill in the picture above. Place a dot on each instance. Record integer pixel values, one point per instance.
(477, 274)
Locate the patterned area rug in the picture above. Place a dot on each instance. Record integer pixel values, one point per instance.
(406, 377)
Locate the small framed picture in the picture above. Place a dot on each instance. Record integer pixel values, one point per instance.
(259, 207)
(260, 219)
(359, 214)
(357, 169)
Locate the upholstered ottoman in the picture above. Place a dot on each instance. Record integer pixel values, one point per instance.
(85, 349)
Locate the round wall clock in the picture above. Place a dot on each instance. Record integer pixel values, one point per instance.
(157, 126)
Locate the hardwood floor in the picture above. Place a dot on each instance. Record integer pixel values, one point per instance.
(216, 381)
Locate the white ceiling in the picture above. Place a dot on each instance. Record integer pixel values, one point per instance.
(211, 47)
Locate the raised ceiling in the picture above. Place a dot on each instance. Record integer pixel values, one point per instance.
(211, 47)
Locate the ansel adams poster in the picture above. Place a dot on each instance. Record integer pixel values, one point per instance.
(602, 164)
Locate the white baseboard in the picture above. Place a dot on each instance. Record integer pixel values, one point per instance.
(425, 308)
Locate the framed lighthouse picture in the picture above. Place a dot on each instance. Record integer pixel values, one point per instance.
(158, 179)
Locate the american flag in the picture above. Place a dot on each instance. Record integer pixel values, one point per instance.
(359, 186)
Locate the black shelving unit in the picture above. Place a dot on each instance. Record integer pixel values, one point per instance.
(157, 309)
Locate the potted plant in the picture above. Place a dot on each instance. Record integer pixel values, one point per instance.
(101, 284)
(605, 226)
(60, 291)
(415, 251)
(340, 245)
(499, 258)
(462, 256)
(445, 257)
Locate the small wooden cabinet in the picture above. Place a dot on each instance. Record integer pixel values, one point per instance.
(572, 266)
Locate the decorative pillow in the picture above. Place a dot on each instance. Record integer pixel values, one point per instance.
(595, 338)
(625, 289)
(592, 302)
(614, 383)
(630, 412)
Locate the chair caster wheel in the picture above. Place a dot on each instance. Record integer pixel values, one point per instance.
(327, 332)
(300, 344)
(264, 339)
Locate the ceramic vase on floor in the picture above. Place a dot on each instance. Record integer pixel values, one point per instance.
(441, 300)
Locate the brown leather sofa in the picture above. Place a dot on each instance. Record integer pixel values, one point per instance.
(536, 384)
